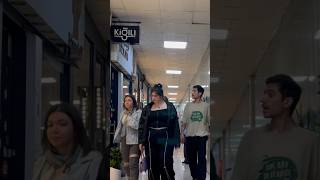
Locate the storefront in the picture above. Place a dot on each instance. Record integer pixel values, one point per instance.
(43, 63)
(121, 80)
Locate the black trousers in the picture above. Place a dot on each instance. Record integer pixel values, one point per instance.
(185, 150)
(160, 156)
(196, 152)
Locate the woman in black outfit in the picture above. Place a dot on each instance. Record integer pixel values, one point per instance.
(158, 135)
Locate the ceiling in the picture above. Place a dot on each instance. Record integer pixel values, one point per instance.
(250, 26)
(167, 20)
(98, 10)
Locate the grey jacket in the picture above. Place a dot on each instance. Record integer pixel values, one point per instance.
(84, 168)
(130, 131)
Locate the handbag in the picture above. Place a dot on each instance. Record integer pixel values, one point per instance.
(143, 163)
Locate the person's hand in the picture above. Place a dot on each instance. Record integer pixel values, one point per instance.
(141, 147)
(182, 138)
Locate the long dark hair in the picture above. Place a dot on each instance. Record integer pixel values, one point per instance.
(135, 104)
(80, 137)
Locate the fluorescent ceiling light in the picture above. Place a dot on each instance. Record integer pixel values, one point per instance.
(219, 34)
(173, 86)
(172, 98)
(172, 101)
(76, 102)
(125, 87)
(215, 80)
(48, 80)
(205, 86)
(317, 35)
(174, 45)
(209, 72)
(52, 103)
(304, 78)
(246, 126)
(173, 94)
(312, 78)
(173, 72)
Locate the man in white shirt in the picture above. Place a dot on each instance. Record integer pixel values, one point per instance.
(280, 150)
(196, 118)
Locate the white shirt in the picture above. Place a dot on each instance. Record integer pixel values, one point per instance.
(197, 118)
(266, 155)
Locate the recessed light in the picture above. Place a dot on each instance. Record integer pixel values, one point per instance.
(174, 45)
(175, 87)
(173, 72)
(173, 94)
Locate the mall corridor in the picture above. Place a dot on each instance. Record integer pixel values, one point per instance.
(89, 86)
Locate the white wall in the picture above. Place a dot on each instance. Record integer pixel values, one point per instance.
(120, 94)
(116, 56)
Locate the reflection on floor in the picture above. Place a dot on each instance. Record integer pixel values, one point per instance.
(182, 170)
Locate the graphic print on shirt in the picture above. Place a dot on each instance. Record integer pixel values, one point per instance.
(278, 168)
(196, 116)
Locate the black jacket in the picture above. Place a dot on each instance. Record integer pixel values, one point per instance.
(173, 125)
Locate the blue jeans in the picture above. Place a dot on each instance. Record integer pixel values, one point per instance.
(196, 154)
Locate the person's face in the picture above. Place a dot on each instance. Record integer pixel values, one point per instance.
(128, 103)
(273, 103)
(195, 94)
(60, 130)
(155, 97)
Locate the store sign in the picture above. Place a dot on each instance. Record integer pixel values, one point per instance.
(128, 34)
(124, 50)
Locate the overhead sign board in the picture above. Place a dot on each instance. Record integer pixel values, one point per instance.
(125, 34)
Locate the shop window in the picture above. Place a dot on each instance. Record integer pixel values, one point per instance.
(126, 86)
(52, 70)
(81, 83)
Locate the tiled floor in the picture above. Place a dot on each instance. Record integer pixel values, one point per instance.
(182, 170)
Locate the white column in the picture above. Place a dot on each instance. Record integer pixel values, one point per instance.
(120, 93)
